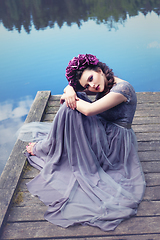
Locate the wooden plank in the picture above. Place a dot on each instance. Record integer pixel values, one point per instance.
(148, 146)
(149, 156)
(38, 107)
(49, 117)
(152, 175)
(29, 213)
(52, 110)
(151, 167)
(148, 97)
(146, 128)
(149, 208)
(152, 179)
(32, 209)
(13, 168)
(137, 121)
(6, 196)
(33, 172)
(147, 107)
(11, 174)
(150, 112)
(146, 120)
(148, 136)
(28, 200)
(32, 213)
(9, 179)
(43, 229)
(122, 237)
(152, 194)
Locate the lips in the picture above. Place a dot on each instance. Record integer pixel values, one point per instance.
(97, 87)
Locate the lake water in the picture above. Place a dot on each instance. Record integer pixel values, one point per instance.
(38, 38)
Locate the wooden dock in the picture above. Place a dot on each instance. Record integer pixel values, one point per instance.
(21, 214)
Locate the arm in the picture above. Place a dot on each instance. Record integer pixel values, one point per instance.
(108, 101)
(69, 96)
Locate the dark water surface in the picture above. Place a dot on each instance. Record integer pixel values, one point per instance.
(38, 38)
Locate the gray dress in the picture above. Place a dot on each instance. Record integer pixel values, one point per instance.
(90, 173)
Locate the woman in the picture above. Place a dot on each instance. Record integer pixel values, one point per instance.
(90, 171)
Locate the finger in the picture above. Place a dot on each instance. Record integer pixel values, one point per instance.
(66, 102)
(28, 149)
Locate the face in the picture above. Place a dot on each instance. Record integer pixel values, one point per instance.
(93, 81)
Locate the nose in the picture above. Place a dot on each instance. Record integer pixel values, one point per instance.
(91, 84)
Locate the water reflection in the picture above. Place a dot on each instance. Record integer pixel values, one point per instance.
(154, 44)
(12, 115)
(17, 13)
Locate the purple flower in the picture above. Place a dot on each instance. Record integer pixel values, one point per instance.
(79, 63)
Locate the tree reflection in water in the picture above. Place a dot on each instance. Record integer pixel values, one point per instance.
(45, 13)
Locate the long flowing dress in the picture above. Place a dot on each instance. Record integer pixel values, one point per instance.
(90, 173)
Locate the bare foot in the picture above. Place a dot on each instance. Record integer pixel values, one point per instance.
(30, 148)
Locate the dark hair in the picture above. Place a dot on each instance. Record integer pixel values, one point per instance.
(106, 70)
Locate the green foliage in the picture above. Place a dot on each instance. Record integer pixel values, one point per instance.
(43, 13)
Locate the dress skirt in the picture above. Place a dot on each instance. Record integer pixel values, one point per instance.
(90, 173)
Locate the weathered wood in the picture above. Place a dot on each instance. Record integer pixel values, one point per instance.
(146, 120)
(152, 179)
(29, 213)
(49, 117)
(10, 178)
(123, 237)
(6, 196)
(154, 128)
(149, 208)
(21, 230)
(11, 174)
(152, 193)
(150, 112)
(148, 97)
(137, 121)
(153, 97)
(38, 107)
(28, 200)
(151, 167)
(148, 146)
(26, 219)
(32, 213)
(52, 110)
(31, 173)
(149, 156)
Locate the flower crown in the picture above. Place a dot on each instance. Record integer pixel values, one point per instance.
(79, 63)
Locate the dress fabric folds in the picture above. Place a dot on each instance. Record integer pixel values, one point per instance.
(90, 173)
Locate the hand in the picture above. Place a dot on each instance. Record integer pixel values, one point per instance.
(30, 148)
(70, 97)
(62, 99)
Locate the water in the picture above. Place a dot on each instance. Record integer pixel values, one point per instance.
(38, 38)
